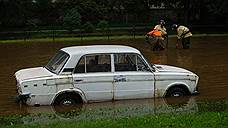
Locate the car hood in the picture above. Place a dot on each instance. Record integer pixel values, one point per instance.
(166, 68)
(31, 73)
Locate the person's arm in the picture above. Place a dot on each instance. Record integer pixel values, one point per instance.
(185, 31)
(177, 43)
(161, 29)
(163, 32)
(179, 33)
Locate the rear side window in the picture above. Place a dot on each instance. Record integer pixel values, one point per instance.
(94, 63)
(57, 62)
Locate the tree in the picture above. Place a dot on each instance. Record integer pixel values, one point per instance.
(72, 19)
(88, 27)
(215, 11)
(45, 11)
(15, 12)
(103, 25)
(88, 9)
(138, 8)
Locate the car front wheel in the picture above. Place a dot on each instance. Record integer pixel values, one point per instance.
(176, 92)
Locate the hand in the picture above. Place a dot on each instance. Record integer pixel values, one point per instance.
(165, 36)
(177, 45)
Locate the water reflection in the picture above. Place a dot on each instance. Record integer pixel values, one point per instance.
(160, 57)
(117, 109)
(184, 58)
(123, 109)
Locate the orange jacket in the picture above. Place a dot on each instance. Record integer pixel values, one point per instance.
(155, 33)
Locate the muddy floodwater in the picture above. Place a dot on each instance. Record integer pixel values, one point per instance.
(207, 57)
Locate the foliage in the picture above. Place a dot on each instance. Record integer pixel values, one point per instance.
(88, 27)
(208, 119)
(14, 12)
(89, 9)
(103, 25)
(45, 11)
(72, 19)
(31, 24)
(48, 12)
(14, 119)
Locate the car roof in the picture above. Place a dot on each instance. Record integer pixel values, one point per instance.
(99, 49)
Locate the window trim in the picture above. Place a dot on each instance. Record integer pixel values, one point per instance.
(94, 54)
(137, 56)
(112, 62)
(63, 66)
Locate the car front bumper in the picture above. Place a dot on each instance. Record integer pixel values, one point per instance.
(196, 91)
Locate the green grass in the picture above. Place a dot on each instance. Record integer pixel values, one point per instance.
(72, 39)
(197, 120)
(91, 38)
(207, 114)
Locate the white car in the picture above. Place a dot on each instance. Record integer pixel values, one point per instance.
(82, 74)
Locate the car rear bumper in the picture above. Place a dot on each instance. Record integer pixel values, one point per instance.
(23, 97)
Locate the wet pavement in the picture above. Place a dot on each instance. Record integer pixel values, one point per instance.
(207, 57)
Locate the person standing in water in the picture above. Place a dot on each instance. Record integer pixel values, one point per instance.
(158, 34)
(183, 35)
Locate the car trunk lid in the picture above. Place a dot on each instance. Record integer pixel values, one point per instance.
(31, 73)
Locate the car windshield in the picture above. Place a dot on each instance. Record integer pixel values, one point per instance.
(57, 62)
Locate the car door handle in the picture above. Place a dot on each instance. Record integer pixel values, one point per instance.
(79, 80)
(119, 78)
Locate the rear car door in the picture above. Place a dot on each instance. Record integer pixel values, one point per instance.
(93, 76)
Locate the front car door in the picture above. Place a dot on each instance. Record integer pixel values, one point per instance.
(93, 76)
(132, 77)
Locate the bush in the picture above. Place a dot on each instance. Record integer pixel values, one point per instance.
(103, 25)
(88, 27)
(72, 19)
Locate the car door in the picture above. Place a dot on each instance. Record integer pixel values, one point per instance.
(94, 78)
(132, 77)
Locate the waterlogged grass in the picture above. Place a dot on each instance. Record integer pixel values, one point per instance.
(193, 114)
(73, 39)
(202, 120)
(209, 119)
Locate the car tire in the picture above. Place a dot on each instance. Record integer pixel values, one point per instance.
(176, 92)
(67, 100)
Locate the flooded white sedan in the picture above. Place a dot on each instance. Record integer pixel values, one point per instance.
(82, 74)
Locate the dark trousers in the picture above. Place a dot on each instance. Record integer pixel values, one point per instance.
(186, 42)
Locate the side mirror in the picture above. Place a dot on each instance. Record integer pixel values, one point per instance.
(152, 66)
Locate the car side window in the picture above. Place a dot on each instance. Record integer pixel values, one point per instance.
(94, 63)
(141, 65)
(125, 62)
(80, 68)
(129, 62)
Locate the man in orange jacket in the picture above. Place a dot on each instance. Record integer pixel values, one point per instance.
(159, 35)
